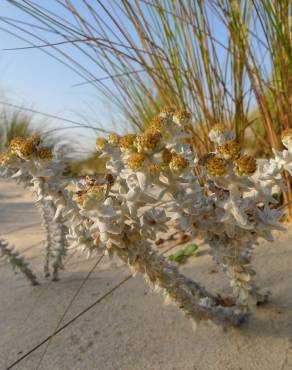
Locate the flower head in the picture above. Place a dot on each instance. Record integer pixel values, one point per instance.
(166, 156)
(178, 163)
(216, 166)
(45, 154)
(203, 160)
(100, 143)
(229, 150)
(219, 134)
(167, 112)
(16, 143)
(113, 139)
(127, 142)
(25, 148)
(6, 156)
(158, 124)
(286, 137)
(135, 161)
(181, 117)
(245, 165)
(148, 141)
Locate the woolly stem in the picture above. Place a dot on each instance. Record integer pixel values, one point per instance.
(235, 259)
(47, 211)
(55, 230)
(60, 249)
(192, 298)
(17, 261)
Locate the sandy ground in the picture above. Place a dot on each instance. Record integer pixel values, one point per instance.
(131, 328)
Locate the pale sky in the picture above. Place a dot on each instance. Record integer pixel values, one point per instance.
(35, 80)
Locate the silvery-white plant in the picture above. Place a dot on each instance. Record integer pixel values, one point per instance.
(156, 183)
(39, 169)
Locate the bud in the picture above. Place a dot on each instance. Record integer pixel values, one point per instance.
(178, 163)
(148, 141)
(45, 154)
(166, 112)
(126, 142)
(286, 137)
(135, 161)
(245, 165)
(219, 134)
(182, 117)
(229, 150)
(100, 143)
(113, 139)
(216, 166)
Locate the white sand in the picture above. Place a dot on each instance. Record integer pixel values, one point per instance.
(131, 329)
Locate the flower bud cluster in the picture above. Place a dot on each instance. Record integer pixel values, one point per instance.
(228, 159)
(40, 169)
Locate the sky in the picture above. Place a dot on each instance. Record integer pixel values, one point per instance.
(32, 79)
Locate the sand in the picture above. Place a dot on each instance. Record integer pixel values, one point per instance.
(131, 328)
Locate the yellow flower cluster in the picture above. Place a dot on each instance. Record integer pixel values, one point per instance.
(127, 142)
(227, 156)
(216, 166)
(27, 148)
(135, 161)
(219, 134)
(141, 149)
(158, 124)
